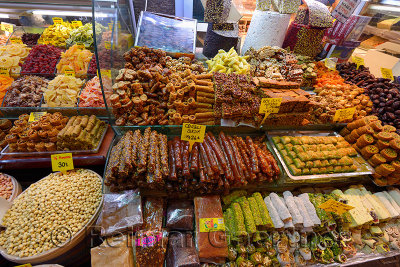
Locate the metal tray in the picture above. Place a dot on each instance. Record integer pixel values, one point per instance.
(6, 152)
(363, 168)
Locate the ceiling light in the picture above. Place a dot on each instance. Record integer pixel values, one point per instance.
(68, 13)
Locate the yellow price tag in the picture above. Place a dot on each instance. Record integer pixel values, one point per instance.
(80, 46)
(24, 265)
(358, 60)
(107, 45)
(57, 20)
(69, 72)
(35, 116)
(62, 162)
(268, 106)
(211, 224)
(76, 23)
(104, 73)
(387, 74)
(7, 27)
(193, 133)
(16, 40)
(344, 114)
(335, 206)
(330, 64)
(4, 71)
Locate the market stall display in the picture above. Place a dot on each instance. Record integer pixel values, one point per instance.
(84, 35)
(76, 211)
(5, 126)
(12, 55)
(228, 62)
(6, 186)
(213, 166)
(26, 91)
(62, 91)
(42, 60)
(92, 96)
(3, 39)
(30, 39)
(56, 34)
(76, 59)
(5, 82)
(220, 37)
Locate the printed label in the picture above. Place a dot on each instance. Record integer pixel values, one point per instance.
(148, 241)
(62, 162)
(387, 74)
(344, 9)
(35, 116)
(16, 40)
(330, 64)
(193, 133)
(76, 23)
(7, 27)
(358, 60)
(69, 72)
(344, 114)
(211, 224)
(4, 71)
(335, 206)
(57, 20)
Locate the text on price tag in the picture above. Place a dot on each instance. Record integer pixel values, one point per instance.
(270, 105)
(7, 27)
(76, 23)
(69, 72)
(211, 224)
(16, 40)
(335, 206)
(62, 162)
(387, 73)
(57, 20)
(35, 116)
(344, 114)
(104, 73)
(330, 64)
(193, 133)
(358, 60)
(4, 71)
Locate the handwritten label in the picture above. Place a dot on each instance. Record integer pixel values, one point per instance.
(193, 133)
(35, 116)
(104, 73)
(358, 60)
(4, 71)
(268, 106)
(344, 9)
(76, 23)
(344, 114)
(80, 46)
(16, 40)
(62, 162)
(387, 73)
(335, 206)
(24, 265)
(211, 224)
(7, 27)
(330, 64)
(57, 20)
(69, 72)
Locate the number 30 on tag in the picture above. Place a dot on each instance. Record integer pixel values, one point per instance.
(62, 162)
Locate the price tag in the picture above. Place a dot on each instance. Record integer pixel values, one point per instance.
(330, 64)
(80, 46)
(24, 265)
(358, 60)
(335, 206)
(57, 20)
(211, 224)
(69, 72)
(107, 45)
(193, 133)
(7, 27)
(76, 23)
(104, 73)
(35, 116)
(268, 106)
(16, 40)
(4, 71)
(344, 114)
(387, 74)
(62, 162)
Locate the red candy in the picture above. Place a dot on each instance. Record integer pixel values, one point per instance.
(42, 60)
